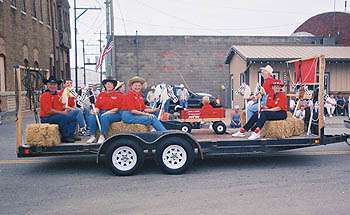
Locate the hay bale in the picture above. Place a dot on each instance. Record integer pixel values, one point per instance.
(283, 128)
(242, 117)
(43, 135)
(120, 127)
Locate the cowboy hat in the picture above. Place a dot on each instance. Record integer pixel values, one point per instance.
(136, 79)
(119, 85)
(52, 79)
(181, 86)
(267, 68)
(111, 80)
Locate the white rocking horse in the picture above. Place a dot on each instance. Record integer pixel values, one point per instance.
(162, 93)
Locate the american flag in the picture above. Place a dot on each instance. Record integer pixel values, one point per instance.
(106, 50)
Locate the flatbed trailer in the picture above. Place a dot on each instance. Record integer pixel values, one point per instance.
(175, 151)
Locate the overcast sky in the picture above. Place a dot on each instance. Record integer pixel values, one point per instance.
(197, 17)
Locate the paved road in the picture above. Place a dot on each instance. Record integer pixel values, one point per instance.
(308, 181)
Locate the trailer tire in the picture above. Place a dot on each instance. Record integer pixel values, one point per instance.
(124, 157)
(186, 127)
(219, 127)
(175, 155)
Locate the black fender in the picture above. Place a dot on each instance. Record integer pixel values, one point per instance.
(149, 140)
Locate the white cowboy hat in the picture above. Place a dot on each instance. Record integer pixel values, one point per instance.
(267, 68)
(181, 86)
(236, 107)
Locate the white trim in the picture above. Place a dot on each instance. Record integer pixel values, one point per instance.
(13, 7)
(22, 12)
(41, 22)
(34, 18)
(48, 26)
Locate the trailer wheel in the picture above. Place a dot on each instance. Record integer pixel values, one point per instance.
(219, 127)
(175, 155)
(124, 157)
(186, 127)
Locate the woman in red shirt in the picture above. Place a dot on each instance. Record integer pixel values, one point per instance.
(108, 105)
(276, 109)
(136, 111)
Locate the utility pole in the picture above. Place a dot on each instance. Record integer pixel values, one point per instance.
(84, 61)
(113, 72)
(85, 9)
(110, 59)
(100, 54)
(108, 34)
(137, 54)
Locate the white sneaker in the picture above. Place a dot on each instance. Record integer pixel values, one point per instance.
(254, 136)
(101, 139)
(238, 134)
(91, 140)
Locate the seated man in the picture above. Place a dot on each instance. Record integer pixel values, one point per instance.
(70, 104)
(52, 111)
(107, 108)
(136, 111)
(276, 109)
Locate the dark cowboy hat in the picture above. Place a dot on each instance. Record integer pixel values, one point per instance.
(111, 80)
(136, 79)
(52, 79)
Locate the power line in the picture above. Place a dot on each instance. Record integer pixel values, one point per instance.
(121, 13)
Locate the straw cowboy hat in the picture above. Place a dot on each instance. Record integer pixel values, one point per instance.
(136, 79)
(111, 80)
(119, 85)
(267, 68)
(52, 80)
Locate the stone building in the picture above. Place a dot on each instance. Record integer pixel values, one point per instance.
(36, 32)
(199, 60)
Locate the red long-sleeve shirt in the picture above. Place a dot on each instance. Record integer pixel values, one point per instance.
(71, 100)
(134, 101)
(48, 102)
(267, 85)
(277, 100)
(109, 100)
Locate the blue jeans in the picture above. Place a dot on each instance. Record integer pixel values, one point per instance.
(66, 123)
(255, 107)
(86, 113)
(107, 119)
(130, 118)
(167, 106)
(80, 116)
(92, 122)
(183, 103)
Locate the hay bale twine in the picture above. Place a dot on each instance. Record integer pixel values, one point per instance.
(120, 127)
(43, 135)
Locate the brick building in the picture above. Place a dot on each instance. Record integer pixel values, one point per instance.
(36, 31)
(199, 59)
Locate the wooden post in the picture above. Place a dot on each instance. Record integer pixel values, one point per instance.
(322, 64)
(19, 119)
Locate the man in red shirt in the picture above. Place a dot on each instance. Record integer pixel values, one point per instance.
(136, 111)
(267, 85)
(70, 105)
(108, 106)
(276, 109)
(53, 111)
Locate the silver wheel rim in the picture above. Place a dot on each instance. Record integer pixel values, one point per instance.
(174, 157)
(184, 129)
(220, 128)
(124, 158)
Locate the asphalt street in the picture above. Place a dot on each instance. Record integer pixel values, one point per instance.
(305, 181)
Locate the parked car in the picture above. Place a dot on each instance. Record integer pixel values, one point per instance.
(195, 99)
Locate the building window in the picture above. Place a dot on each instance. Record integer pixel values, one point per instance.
(13, 3)
(34, 14)
(275, 74)
(41, 10)
(2, 74)
(23, 5)
(48, 11)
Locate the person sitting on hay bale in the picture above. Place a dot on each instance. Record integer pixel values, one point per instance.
(52, 111)
(108, 106)
(267, 85)
(70, 104)
(136, 111)
(276, 109)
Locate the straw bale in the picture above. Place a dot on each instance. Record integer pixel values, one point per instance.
(120, 127)
(42, 135)
(243, 118)
(283, 128)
